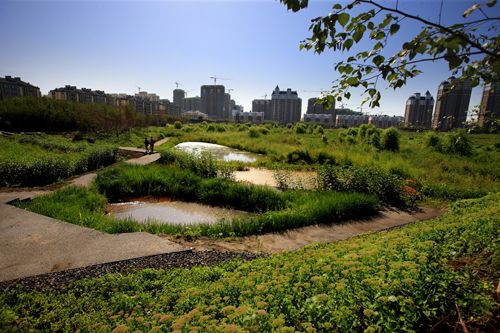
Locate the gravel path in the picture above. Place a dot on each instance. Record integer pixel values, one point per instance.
(185, 259)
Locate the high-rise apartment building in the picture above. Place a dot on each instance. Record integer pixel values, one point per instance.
(15, 87)
(489, 110)
(227, 106)
(418, 111)
(452, 102)
(285, 106)
(192, 103)
(264, 106)
(314, 107)
(213, 100)
(179, 97)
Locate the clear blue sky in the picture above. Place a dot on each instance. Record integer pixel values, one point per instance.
(118, 46)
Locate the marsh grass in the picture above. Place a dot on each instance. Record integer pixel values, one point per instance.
(478, 170)
(276, 211)
(42, 160)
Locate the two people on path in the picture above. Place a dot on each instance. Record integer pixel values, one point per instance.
(149, 145)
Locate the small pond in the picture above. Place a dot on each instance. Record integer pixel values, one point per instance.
(220, 152)
(171, 212)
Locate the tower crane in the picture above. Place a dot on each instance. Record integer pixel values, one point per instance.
(215, 77)
(177, 84)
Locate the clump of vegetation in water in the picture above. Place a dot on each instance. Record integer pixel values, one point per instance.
(203, 164)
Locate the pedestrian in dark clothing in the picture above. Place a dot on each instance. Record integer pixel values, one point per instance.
(152, 144)
(146, 144)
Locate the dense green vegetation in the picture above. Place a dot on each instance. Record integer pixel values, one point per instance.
(408, 279)
(42, 159)
(464, 165)
(276, 211)
(48, 115)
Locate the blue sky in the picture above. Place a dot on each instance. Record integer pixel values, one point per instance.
(118, 46)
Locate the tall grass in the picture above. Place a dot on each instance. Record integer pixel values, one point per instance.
(129, 181)
(43, 170)
(276, 211)
(204, 164)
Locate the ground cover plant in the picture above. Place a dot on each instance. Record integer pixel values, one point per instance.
(33, 160)
(413, 278)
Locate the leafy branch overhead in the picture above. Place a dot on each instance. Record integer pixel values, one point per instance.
(471, 48)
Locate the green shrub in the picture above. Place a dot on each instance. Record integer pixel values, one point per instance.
(177, 125)
(458, 143)
(300, 129)
(253, 133)
(432, 140)
(299, 156)
(390, 139)
(371, 180)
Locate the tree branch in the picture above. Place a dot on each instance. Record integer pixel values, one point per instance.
(435, 25)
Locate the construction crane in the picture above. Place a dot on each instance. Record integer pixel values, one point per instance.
(177, 84)
(188, 91)
(265, 96)
(138, 88)
(229, 90)
(215, 79)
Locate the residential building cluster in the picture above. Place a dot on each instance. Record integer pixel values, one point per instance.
(448, 111)
(15, 87)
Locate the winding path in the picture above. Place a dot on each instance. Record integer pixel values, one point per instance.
(33, 244)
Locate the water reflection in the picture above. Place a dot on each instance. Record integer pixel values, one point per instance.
(172, 212)
(220, 152)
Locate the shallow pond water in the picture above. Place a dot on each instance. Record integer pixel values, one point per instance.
(171, 212)
(260, 176)
(220, 152)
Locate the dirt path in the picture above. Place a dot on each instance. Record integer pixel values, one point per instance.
(294, 239)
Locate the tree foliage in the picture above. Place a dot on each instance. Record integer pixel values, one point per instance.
(470, 47)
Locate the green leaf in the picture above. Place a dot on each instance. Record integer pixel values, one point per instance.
(394, 28)
(352, 81)
(386, 21)
(343, 19)
(347, 44)
(378, 60)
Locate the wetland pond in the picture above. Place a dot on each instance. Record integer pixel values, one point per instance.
(222, 153)
(165, 211)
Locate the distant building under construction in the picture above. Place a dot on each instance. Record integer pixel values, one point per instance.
(489, 110)
(418, 111)
(452, 103)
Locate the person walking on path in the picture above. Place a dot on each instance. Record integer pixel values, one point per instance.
(146, 144)
(152, 145)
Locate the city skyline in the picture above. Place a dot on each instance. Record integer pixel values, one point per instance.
(121, 46)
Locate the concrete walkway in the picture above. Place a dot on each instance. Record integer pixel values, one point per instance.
(32, 244)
